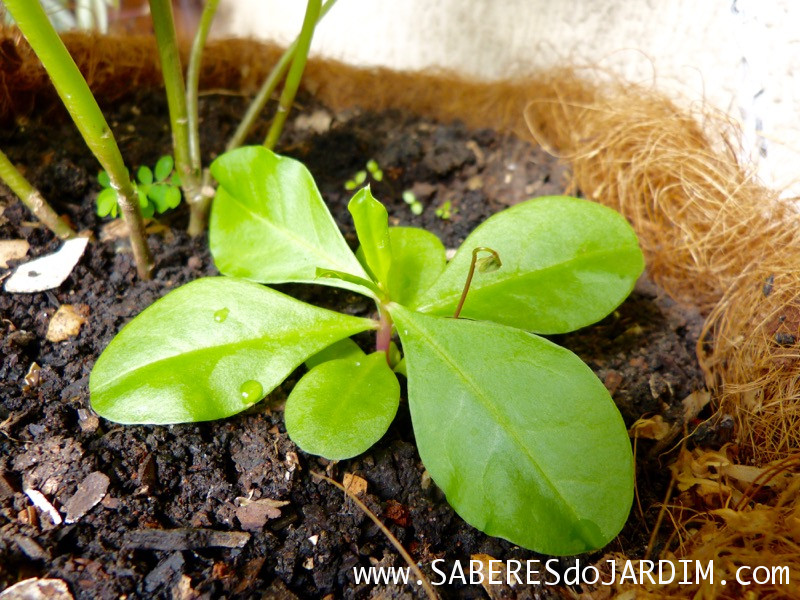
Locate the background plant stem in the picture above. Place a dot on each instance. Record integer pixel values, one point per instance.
(167, 41)
(79, 101)
(193, 81)
(199, 212)
(295, 73)
(31, 198)
(266, 89)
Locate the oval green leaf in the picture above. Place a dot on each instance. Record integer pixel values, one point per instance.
(198, 353)
(144, 175)
(567, 263)
(345, 348)
(342, 407)
(103, 179)
(372, 228)
(269, 223)
(107, 203)
(173, 197)
(418, 259)
(164, 167)
(157, 194)
(520, 435)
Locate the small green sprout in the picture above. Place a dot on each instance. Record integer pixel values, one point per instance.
(158, 190)
(374, 170)
(445, 211)
(375, 173)
(357, 179)
(411, 199)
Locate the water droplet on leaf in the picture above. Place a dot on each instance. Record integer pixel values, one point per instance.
(251, 391)
(221, 315)
(358, 364)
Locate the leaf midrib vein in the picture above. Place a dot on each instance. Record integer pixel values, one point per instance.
(189, 353)
(489, 407)
(288, 234)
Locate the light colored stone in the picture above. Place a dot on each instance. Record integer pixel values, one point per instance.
(47, 272)
(65, 323)
(12, 250)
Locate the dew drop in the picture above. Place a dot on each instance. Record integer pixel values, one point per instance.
(358, 364)
(221, 315)
(251, 391)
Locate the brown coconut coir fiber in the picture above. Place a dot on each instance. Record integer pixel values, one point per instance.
(712, 237)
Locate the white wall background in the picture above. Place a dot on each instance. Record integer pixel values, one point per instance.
(742, 56)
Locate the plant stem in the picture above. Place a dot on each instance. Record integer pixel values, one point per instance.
(264, 93)
(383, 337)
(77, 98)
(179, 118)
(200, 205)
(193, 81)
(269, 85)
(31, 198)
(295, 73)
(471, 273)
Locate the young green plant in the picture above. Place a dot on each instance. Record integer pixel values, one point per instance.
(518, 432)
(158, 190)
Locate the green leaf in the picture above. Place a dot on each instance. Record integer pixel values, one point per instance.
(567, 263)
(164, 167)
(157, 194)
(173, 198)
(103, 179)
(520, 435)
(342, 407)
(369, 287)
(418, 259)
(144, 175)
(345, 348)
(372, 227)
(164, 196)
(148, 210)
(191, 355)
(269, 223)
(107, 203)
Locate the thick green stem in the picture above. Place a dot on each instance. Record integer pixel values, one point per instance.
(77, 97)
(31, 198)
(295, 73)
(268, 87)
(167, 41)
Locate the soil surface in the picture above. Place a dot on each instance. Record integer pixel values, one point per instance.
(187, 511)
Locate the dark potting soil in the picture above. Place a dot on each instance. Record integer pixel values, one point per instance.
(230, 509)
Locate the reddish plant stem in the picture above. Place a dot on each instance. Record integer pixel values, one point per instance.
(471, 273)
(383, 337)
